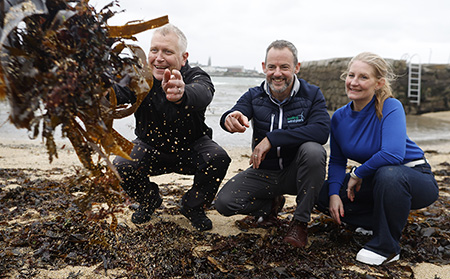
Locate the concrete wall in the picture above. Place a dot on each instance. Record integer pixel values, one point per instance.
(435, 84)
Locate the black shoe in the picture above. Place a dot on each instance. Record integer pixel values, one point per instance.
(144, 214)
(198, 218)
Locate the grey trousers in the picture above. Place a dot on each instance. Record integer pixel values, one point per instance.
(251, 192)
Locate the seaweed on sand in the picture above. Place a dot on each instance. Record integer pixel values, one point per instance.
(40, 228)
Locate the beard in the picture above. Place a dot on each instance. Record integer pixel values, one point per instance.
(280, 89)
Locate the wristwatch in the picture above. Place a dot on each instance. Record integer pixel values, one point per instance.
(352, 173)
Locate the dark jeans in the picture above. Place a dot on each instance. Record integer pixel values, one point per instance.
(384, 201)
(205, 159)
(251, 192)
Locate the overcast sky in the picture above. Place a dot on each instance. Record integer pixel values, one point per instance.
(237, 32)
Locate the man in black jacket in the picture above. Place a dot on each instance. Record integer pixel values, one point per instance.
(171, 132)
(290, 124)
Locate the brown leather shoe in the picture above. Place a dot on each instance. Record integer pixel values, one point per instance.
(272, 219)
(298, 234)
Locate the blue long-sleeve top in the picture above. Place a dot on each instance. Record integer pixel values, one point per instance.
(362, 137)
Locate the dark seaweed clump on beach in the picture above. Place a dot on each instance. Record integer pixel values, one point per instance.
(42, 227)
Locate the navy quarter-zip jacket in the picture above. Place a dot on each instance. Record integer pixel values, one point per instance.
(301, 118)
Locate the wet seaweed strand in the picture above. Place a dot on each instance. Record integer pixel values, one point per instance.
(58, 58)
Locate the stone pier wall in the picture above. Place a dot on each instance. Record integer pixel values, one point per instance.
(435, 84)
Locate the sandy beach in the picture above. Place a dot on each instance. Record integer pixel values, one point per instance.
(31, 154)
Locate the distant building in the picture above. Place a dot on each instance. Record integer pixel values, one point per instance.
(235, 69)
(227, 71)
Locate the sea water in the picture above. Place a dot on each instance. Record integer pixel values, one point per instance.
(422, 130)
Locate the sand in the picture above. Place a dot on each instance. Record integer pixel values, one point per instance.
(32, 154)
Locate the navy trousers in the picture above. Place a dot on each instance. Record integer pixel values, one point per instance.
(384, 202)
(205, 159)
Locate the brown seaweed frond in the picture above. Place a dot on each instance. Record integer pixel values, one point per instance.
(59, 59)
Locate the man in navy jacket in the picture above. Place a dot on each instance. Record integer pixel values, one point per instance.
(290, 124)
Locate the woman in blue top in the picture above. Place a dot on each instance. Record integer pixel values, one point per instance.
(394, 176)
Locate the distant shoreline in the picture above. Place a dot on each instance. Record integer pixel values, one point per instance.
(219, 74)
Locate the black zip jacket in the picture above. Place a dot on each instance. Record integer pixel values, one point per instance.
(166, 126)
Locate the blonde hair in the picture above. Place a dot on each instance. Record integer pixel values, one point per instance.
(382, 70)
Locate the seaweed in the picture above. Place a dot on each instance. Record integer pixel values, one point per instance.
(41, 228)
(59, 59)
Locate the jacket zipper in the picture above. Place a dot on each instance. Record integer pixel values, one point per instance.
(280, 125)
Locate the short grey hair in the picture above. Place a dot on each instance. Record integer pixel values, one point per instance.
(280, 44)
(170, 28)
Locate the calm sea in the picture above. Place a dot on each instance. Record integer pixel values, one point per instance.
(423, 130)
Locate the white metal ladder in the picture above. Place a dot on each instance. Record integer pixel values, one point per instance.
(414, 77)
